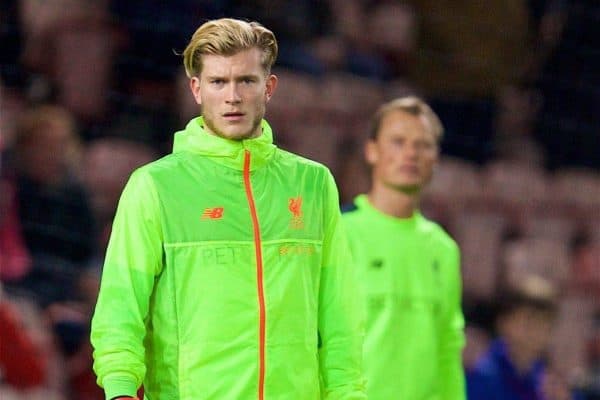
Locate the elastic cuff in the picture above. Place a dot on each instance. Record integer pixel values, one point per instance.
(115, 387)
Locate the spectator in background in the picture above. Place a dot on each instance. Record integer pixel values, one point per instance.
(30, 365)
(514, 368)
(346, 48)
(11, 37)
(568, 84)
(54, 212)
(56, 223)
(407, 265)
(296, 23)
(21, 364)
(467, 52)
(108, 163)
(591, 385)
(15, 260)
(14, 257)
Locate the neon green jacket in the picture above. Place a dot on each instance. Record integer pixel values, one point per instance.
(226, 266)
(409, 273)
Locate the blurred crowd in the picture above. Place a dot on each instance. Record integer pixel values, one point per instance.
(90, 90)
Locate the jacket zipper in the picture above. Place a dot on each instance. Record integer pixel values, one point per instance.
(259, 278)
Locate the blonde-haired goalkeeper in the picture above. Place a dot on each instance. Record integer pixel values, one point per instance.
(227, 273)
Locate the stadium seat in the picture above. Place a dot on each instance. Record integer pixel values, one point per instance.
(568, 349)
(186, 107)
(544, 257)
(479, 235)
(515, 185)
(84, 46)
(292, 102)
(455, 186)
(316, 138)
(354, 177)
(555, 227)
(350, 95)
(455, 181)
(578, 188)
(585, 270)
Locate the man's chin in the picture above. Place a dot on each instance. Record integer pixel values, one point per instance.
(236, 135)
(240, 132)
(407, 187)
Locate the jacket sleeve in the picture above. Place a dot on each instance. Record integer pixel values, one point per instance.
(133, 260)
(451, 336)
(341, 319)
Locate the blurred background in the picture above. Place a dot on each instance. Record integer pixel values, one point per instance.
(92, 89)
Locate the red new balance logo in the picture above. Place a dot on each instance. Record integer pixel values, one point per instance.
(213, 213)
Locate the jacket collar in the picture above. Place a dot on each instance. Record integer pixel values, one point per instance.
(362, 202)
(230, 153)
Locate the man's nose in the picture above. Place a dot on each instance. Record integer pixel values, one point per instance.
(411, 150)
(233, 95)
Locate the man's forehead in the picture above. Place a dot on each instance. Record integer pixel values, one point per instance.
(248, 57)
(399, 122)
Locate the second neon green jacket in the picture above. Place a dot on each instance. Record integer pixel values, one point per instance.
(226, 266)
(409, 271)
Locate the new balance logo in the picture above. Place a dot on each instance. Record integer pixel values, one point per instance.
(213, 213)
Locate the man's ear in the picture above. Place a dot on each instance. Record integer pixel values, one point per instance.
(270, 86)
(195, 88)
(371, 152)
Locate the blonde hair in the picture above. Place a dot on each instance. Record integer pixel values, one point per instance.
(226, 37)
(413, 106)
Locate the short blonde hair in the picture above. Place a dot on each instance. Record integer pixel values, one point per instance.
(226, 37)
(413, 106)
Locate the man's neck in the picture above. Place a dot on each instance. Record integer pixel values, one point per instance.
(393, 202)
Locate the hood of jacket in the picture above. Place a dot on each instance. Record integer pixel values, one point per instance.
(194, 138)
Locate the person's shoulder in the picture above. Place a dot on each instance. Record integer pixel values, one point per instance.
(298, 167)
(161, 169)
(485, 378)
(167, 162)
(437, 233)
(354, 215)
(151, 170)
(288, 157)
(485, 369)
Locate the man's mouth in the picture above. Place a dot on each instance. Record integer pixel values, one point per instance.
(233, 117)
(411, 169)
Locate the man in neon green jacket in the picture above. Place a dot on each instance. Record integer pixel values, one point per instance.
(227, 264)
(407, 265)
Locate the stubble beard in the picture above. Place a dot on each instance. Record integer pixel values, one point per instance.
(251, 133)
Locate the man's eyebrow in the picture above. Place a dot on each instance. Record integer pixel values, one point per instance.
(237, 78)
(212, 77)
(247, 76)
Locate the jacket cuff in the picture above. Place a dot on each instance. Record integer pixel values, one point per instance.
(119, 386)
